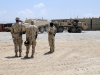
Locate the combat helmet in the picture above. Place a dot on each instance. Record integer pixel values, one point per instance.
(32, 22)
(26, 43)
(17, 18)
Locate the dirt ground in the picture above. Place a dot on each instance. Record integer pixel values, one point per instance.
(75, 54)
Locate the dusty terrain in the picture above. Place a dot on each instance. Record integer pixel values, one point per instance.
(75, 54)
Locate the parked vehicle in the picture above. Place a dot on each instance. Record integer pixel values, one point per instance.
(74, 26)
(42, 24)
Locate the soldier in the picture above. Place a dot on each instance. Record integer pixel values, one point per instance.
(31, 35)
(51, 37)
(16, 29)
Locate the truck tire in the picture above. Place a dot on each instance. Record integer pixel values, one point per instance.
(60, 29)
(41, 29)
(46, 28)
(69, 31)
(7, 30)
(79, 30)
(73, 30)
(55, 30)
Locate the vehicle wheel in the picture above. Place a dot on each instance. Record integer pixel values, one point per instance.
(79, 30)
(7, 30)
(46, 28)
(73, 30)
(56, 30)
(41, 29)
(69, 30)
(60, 29)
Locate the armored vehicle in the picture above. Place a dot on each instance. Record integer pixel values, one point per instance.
(43, 25)
(74, 26)
(8, 29)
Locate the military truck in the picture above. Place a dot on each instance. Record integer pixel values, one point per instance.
(43, 25)
(74, 26)
(8, 27)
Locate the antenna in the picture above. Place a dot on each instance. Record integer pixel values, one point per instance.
(77, 17)
(70, 14)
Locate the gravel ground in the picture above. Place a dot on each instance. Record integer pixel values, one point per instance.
(85, 35)
(75, 54)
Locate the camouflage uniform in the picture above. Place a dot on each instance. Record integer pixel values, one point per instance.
(51, 38)
(31, 35)
(17, 38)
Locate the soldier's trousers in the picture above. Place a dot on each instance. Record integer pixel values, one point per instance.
(18, 44)
(52, 44)
(33, 43)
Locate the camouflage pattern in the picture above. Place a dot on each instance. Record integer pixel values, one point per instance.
(51, 38)
(17, 38)
(17, 18)
(42, 24)
(31, 33)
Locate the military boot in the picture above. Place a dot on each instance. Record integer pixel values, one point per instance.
(26, 55)
(32, 56)
(16, 55)
(51, 50)
(20, 54)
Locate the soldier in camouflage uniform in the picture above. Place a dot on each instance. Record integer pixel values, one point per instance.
(31, 35)
(16, 29)
(51, 37)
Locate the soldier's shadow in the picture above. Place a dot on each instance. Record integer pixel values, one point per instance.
(27, 58)
(47, 53)
(11, 57)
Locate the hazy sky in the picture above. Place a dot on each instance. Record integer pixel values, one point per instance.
(48, 9)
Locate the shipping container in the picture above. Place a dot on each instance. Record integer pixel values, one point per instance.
(8, 25)
(2, 27)
(95, 23)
